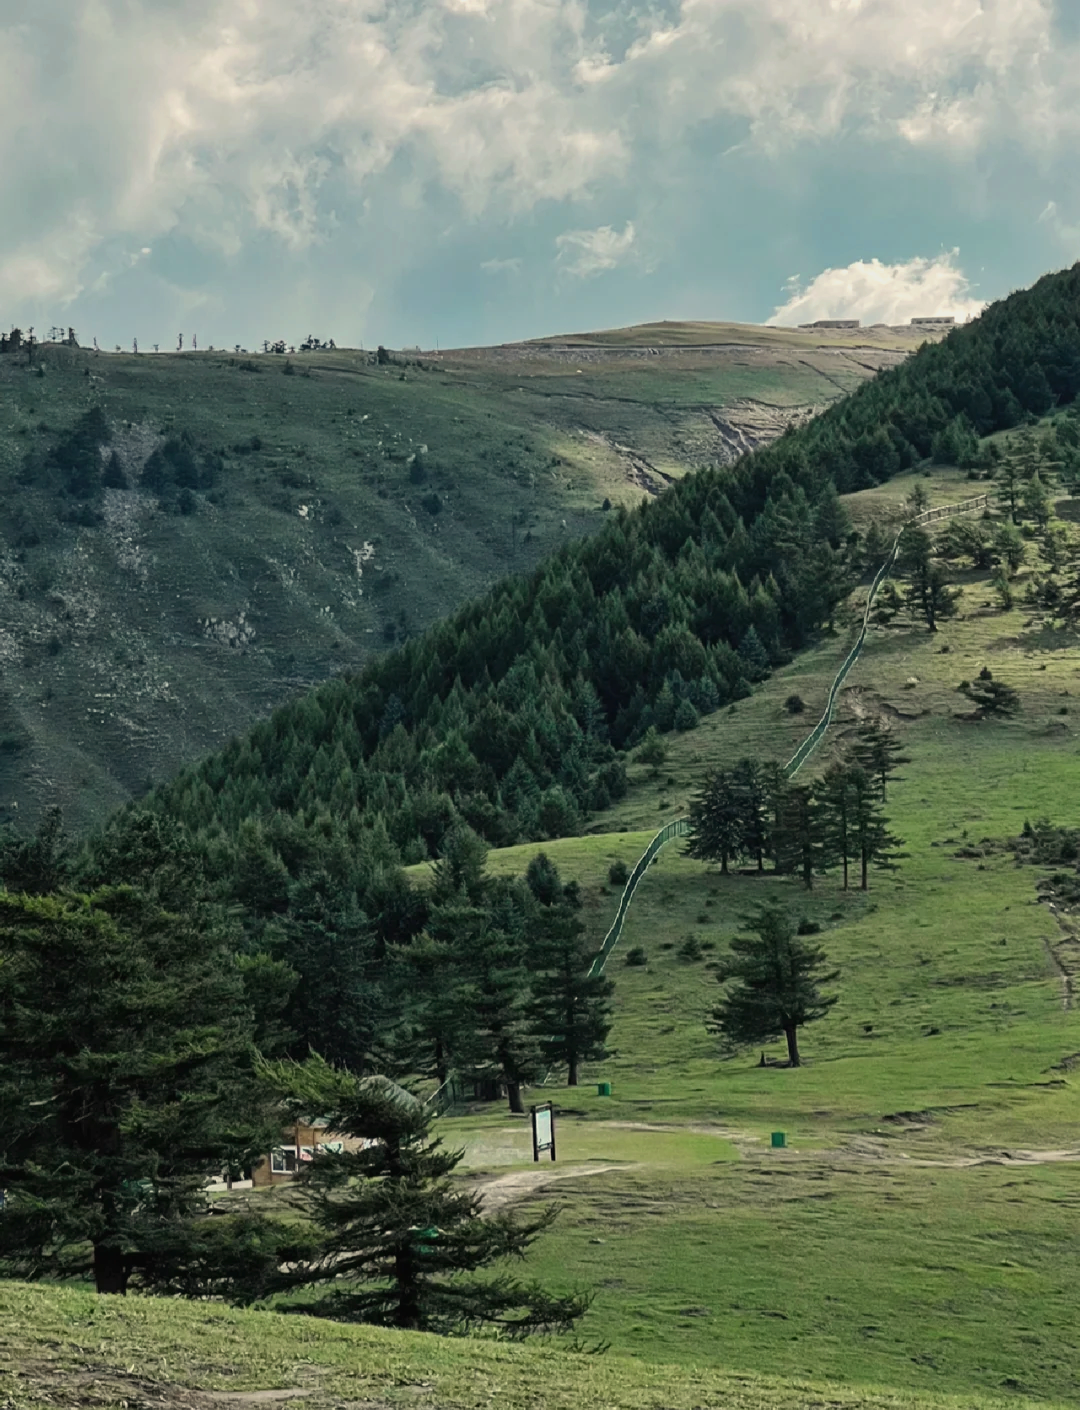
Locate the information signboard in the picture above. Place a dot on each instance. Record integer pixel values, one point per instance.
(543, 1130)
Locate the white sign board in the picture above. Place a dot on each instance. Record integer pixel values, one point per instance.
(543, 1130)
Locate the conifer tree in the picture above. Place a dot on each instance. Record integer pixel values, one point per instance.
(929, 594)
(399, 1241)
(878, 751)
(750, 783)
(874, 844)
(571, 1008)
(776, 978)
(838, 804)
(126, 1043)
(717, 823)
(500, 1042)
(800, 838)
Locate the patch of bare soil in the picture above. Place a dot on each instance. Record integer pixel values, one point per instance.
(501, 1190)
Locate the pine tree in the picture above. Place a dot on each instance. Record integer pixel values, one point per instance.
(338, 1005)
(835, 796)
(755, 659)
(800, 838)
(878, 751)
(37, 864)
(126, 1042)
(929, 594)
(495, 1040)
(717, 823)
(874, 844)
(776, 979)
(571, 1009)
(750, 784)
(399, 1240)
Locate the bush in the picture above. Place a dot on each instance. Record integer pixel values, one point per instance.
(618, 873)
(690, 949)
(637, 956)
(794, 704)
(809, 927)
(432, 503)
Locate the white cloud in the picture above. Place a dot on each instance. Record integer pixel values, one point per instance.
(230, 121)
(586, 253)
(501, 266)
(881, 293)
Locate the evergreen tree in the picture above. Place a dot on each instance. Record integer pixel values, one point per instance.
(571, 1009)
(755, 659)
(776, 979)
(1036, 501)
(800, 838)
(37, 864)
(874, 844)
(750, 783)
(126, 1041)
(499, 1042)
(838, 805)
(399, 1240)
(717, 821)
(929, 594)
(338, 1005)
(1009, 481)
(878, 751)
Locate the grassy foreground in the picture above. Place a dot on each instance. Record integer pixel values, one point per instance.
(65, 1348)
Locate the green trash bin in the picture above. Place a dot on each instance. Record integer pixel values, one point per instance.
(603, 1089)
(778, 1140)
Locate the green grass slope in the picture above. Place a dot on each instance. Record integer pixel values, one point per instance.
(919, 1229)
(66, 1348)
(117, 635)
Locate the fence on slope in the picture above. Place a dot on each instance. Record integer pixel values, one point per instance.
(679, 827)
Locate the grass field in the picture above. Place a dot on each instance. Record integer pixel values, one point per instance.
(67, 1348)
(920, 1228)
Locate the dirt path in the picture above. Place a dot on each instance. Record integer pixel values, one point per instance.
(1070, 942)
(501, 1190)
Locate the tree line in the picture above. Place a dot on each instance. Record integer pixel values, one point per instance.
(753, 812)
(147, 1038)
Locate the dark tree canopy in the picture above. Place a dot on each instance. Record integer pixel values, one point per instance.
(126, 1043)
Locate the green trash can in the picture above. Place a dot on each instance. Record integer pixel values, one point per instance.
(603, 1089)
(778, 1140)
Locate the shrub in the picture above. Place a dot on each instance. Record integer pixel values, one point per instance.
(690, 949)
(794, 704)
(618, 873)
(432, 503)
(809, 927)
(637, 956)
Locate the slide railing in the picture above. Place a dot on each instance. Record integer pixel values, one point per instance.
(680, 826)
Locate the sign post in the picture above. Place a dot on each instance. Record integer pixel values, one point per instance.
(543, 1130)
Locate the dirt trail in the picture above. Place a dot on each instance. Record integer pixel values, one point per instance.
(501, 1190)
(1070, 944)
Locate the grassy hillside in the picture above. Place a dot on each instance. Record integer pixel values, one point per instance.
(65, 1348)
(134, 638)
(919, 1229)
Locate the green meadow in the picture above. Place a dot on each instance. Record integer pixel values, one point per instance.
(919, 1226)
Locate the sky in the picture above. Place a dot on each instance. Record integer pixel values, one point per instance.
(462, 172)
